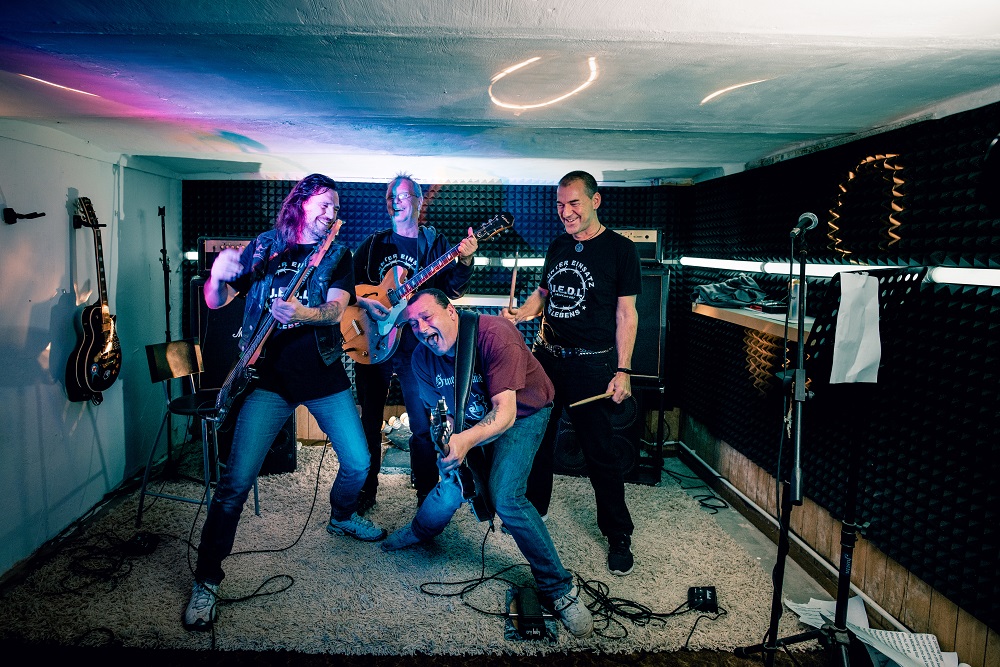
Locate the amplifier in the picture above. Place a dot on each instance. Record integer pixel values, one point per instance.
(209, 249)
(647, 242)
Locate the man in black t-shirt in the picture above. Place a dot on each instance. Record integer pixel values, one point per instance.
(587, 302)
(299, 365)
(403, 249)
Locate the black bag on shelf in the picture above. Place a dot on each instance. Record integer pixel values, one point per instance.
(733, 293)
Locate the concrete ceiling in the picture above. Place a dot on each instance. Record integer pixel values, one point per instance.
(361, 89)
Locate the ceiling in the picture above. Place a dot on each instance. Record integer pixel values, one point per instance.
(362, 89)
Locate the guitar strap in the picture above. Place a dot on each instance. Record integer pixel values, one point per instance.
(478, 459)
(465, 362)
(425, 241)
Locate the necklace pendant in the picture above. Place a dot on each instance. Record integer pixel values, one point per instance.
(578, 247)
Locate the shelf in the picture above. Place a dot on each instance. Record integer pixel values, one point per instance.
(753, 319)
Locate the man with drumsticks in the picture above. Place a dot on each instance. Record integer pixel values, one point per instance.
(589, 320)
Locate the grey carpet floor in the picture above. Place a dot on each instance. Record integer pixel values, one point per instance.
(336, 595)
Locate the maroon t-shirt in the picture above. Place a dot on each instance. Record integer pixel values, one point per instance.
(503, 362)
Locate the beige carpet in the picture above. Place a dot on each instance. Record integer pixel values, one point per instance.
(349, 597)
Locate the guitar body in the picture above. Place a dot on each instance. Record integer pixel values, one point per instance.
(230, 398)
(102, 358)
(474, 473)
(96, 360)
(368, 341)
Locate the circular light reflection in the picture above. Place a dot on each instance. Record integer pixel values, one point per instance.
(591, 61)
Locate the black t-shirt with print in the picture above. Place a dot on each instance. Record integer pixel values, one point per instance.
(291, 365)
(584, 288)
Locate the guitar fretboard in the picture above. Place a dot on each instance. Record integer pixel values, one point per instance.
(405, 290)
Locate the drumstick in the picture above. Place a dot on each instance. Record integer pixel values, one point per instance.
(513, 283)
(607, 394)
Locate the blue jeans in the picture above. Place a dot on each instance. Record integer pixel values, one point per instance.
(513, 453)
(372, 382)
(261, 417)
(576, 378)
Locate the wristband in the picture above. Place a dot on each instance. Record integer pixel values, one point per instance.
(626, 371)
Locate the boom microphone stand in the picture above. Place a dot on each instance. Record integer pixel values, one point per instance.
(791, 494)
(895, 286)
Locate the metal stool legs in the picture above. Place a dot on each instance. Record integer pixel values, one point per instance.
(143, 492)
(209, 454)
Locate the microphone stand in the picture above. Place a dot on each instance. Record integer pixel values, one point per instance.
(791, 494)
(165, 261)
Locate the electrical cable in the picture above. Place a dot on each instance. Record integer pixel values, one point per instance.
(224, 601)
(604, 607)
(708, 501)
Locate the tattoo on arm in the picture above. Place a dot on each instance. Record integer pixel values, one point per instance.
(329, 312)
(490, 417)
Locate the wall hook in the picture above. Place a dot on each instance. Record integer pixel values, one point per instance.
(10, 216)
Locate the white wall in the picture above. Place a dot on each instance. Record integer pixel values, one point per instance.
(60, 458)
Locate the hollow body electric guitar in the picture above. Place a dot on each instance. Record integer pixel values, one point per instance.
(243, 373)
(370, 341)
(471, 474)
(96, 360)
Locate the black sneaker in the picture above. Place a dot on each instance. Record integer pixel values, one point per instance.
(620, 560)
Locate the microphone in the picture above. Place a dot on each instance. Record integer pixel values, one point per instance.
(806, 222)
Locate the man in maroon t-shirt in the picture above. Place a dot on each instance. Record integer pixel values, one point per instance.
(508, 406)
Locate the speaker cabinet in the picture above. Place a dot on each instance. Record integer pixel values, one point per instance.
(627, 423)
(218, 332)
(648, 357)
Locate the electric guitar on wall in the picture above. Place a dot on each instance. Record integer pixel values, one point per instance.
(369, 341)
(96, 360)
(472, 479)
(243, 373)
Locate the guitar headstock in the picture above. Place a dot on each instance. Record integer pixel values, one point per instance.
(85, 216)
(500, 222)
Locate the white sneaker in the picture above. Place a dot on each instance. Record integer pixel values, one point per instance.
(357, 527)
(574, 614)
(202, 608)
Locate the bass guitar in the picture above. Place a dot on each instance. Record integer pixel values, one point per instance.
(96, 360)
(243, 373)
(470, 479)
(371, 341)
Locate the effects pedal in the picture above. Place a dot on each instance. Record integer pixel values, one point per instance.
(703, 598)
(527, 612)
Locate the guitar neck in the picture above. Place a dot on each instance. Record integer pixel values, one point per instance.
(85, 212)
(406, 290)
(267, 321)
(107, 325)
